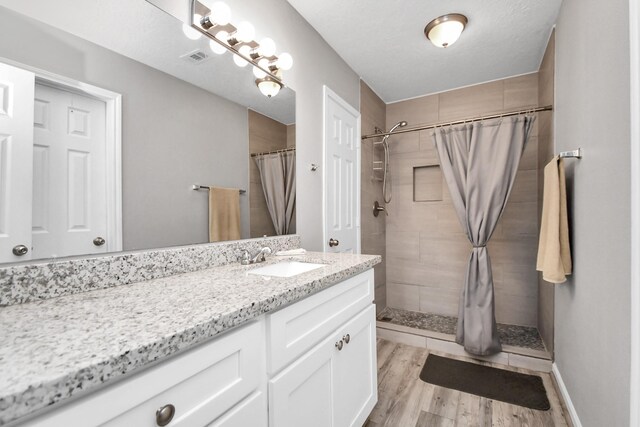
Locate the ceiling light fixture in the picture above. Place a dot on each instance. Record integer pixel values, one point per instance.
(213, 22)
(446, 29)
(268, 86)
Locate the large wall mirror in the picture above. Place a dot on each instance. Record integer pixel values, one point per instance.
(110, 117)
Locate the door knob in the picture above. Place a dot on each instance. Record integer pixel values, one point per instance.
(333, 242)
(99, 241)
(20, 250)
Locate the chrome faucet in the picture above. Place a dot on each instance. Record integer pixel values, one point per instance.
(246, 259)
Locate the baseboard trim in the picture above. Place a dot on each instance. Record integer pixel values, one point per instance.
(565, 396)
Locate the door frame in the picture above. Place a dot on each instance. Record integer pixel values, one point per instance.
(328, 94)
(634, 56)
(113, 142)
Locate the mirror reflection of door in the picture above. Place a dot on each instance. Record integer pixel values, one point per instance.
(16, 152)
(53, 167)
(69, 183)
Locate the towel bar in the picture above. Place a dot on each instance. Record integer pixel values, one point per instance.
(574, 154)
(203, 187)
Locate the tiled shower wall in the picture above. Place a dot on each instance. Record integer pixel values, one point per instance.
(545, 154)
(373, 113)
(427, 251)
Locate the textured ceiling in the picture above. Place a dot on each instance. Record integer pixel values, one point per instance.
(140, 31)
(383, 41)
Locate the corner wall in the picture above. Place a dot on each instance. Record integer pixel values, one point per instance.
(546, 87)
(592, 310)
(374, 112)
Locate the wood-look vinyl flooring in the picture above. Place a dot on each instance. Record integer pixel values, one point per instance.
(404, 400)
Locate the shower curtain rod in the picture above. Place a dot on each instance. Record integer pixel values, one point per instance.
(459, 122)
(274, 152)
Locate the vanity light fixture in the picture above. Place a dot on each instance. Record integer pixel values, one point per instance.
(214, 23)
(446, 29)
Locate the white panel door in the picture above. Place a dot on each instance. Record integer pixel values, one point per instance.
(16, 147)
(342, 175)
(69, 183)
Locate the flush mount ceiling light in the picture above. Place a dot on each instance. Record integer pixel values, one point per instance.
(214, 23)
(446, 29)
(268, 86)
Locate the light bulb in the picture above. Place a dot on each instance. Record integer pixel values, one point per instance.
(220, 13)
(223, 36)
(191, 32)
(264, 63)
(216, 47)
(240, 62)
(267, 47)
(259, 73)
(245, 32)
(285, 61)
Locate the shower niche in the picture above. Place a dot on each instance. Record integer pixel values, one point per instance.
(427, 183)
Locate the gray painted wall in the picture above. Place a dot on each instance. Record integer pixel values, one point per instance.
(174, 134)
(592, 310)
(315, 64)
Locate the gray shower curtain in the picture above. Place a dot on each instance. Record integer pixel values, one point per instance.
(278, 176)
(479, 161)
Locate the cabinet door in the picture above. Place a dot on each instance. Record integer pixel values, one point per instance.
(356, 371)
(303, 394)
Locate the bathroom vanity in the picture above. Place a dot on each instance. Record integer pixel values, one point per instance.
(219, 346)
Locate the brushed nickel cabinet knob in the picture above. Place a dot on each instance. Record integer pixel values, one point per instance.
(339, 345)
(346, 339)
(333, 242)
(99, 241)
(165, 414)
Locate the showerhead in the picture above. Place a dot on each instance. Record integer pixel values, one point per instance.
(398, 125)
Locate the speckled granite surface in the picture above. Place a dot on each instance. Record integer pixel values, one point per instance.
(57, 348)
(43, 280)
(517, 336)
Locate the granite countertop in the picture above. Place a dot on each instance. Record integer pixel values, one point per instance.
(58, 348)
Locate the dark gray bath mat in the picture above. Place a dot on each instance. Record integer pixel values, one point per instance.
(492, 383)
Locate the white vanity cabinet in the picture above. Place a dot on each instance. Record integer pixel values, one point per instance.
(330, 336)
(312, 363)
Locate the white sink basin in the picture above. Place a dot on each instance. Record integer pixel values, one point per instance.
(285, 269)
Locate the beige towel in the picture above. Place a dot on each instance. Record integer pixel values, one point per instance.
(554, 253)
(224, 214)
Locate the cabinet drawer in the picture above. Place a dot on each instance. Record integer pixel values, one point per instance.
(201, 384)
(297, 328)
(250, 412)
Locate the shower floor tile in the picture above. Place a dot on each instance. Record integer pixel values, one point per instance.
(517, 336)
